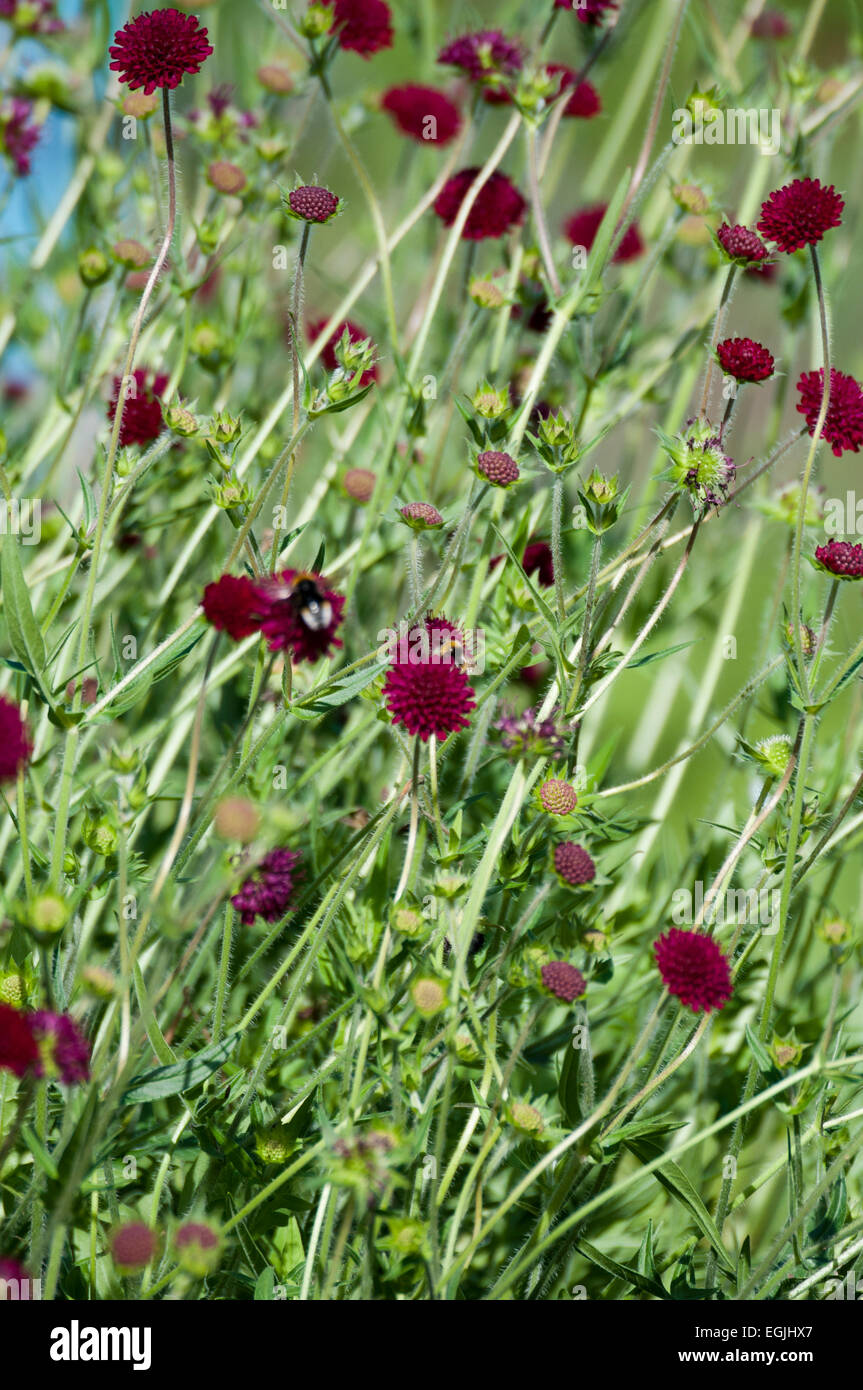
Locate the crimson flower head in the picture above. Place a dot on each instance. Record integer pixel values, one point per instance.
(745, 359)
(133, 1246)
(497, 468)
(158, 48)
(18, 136)
(423, 113)
(563, 980)
(421, 516)
(269, 888)
(232, 605)
(573, 865)
(198, 1247)
(582, 227)
(537, 559)
(771, 24)
(584, 100)
(497, 207)
(694, 969)
(843, 428)
(363, 26)
(426, 688)
(292, 609)
(590, 12)
(298, 611)
(328, 354)
(800, 213)
(15, 745)
(482, 55)
(744, 248)
(141, 420)
(12, 1276)
(310, 203)
(841, 559)
(64, 1053)
(18, 1049)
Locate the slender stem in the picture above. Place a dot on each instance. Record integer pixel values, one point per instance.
(71, 749)
(414, 823)
(539, 212)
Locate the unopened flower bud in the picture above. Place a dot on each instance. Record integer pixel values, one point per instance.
(93, 267)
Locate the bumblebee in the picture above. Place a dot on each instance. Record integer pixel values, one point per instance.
(307, 601)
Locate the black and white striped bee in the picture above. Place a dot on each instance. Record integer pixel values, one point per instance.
(306, 600)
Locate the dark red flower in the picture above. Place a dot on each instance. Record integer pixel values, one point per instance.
(310, 203)
(328, 353)
(18, 1050)
(64, 1053)
(563, 980)
(573, 864)
(482, 55)
(800, 213)
(498, 468)
(694, 969)
(196, 1233)
(269, 888)
(584, 100)
(772, 24)
(843, 428)
(740, 245)
(157, 49)
(12, 1276)
(363, 26)
(285, 620)
(841, 558)
(590, 12)
(421, 516)
(133, 1246)
(15, 745)
(423, 113)
(498, 205)
(232, 605)
(426, 689)
(141, 421)
(537, 559)
(17, 136)
(745, 359)
(582, 227)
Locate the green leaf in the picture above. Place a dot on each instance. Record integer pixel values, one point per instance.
(90, 508)
(625, 1272)
(135, 691)
(264, 1285)
(763, 1060)
(180, 1076)
(640, 1129)
(537, 597)
(674, 1180)
(340, 692)
(40, 1154)
(658, 656)
(25, 635)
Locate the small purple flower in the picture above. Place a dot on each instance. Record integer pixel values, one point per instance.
(269, 888)
(17, 136)
(64, 1053)
(525, 734)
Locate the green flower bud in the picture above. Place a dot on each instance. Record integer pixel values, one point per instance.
(93, 267)
(100, 835)
(47, 916)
